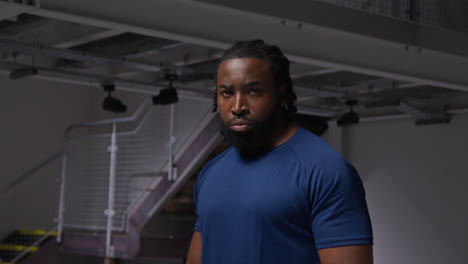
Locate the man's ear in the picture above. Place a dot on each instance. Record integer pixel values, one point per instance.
(282, 90)
(282, 96)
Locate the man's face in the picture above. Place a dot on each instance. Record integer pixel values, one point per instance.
(248, 99)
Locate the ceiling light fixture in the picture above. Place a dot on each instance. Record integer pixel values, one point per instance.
(168, 95)
(350, 117)
(110, 103)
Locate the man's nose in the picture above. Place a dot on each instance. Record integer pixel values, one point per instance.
(240, 106)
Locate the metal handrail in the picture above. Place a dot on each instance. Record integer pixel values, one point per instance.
(137, 119)
(133, 117)
(140, 116)
(59, 153)
(123, 133)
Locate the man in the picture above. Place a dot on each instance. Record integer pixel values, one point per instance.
(280, 194)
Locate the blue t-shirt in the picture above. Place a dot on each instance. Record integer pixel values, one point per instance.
(280, 208)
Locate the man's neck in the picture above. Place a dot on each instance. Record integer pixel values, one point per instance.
(283, 133)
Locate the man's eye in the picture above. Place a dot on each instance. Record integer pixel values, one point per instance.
(254, 91)
(225, 92)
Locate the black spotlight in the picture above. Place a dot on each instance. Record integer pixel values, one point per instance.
(350, 117)
(110, 103)
(168, 95)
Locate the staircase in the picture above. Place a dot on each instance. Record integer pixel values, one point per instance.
(22, 243)
(168, 233)
(152, 176)
(143, 181)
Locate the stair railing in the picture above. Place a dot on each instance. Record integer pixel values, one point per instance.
(140, 154)
(41, 218)
(131, 126)
(141, 113)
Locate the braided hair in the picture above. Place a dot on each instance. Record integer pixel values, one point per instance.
(279, 66)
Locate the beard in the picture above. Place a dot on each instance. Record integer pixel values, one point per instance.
(255, 141)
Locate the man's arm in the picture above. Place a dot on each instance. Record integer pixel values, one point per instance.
(194, 254)
(359, 254)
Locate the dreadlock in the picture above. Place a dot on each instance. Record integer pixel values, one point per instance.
(279, 66)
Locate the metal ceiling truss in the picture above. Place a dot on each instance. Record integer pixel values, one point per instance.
(403, 57)
(424, 117)
(97, 80)
(9, 9)
(305, 42)
(8, 45)
(88, 38)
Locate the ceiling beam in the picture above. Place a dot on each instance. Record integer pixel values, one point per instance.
(319, 91)
(88, 38)
(307, 42)
(97, 80)
(417, 112)
(317, 111)
(424, 117)
(9, 45)
(356, 21)
(314, 73)
(9, 9)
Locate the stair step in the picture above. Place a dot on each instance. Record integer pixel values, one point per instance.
(8, 252)
(25, 237)
(7, 255)
(7, 247)
(179, 205)
(20, 241)
(188, 187)
(35, 232)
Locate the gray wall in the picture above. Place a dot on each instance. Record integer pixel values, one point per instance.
(415, 179)
(34, 115)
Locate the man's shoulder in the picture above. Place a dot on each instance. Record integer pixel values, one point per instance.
(312, 150)
(218, 158)
(322, 163)
(210, 164)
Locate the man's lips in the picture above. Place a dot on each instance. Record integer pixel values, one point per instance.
(240, 125)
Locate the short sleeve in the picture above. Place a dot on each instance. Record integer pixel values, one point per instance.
(339, 213)
(196, 189)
